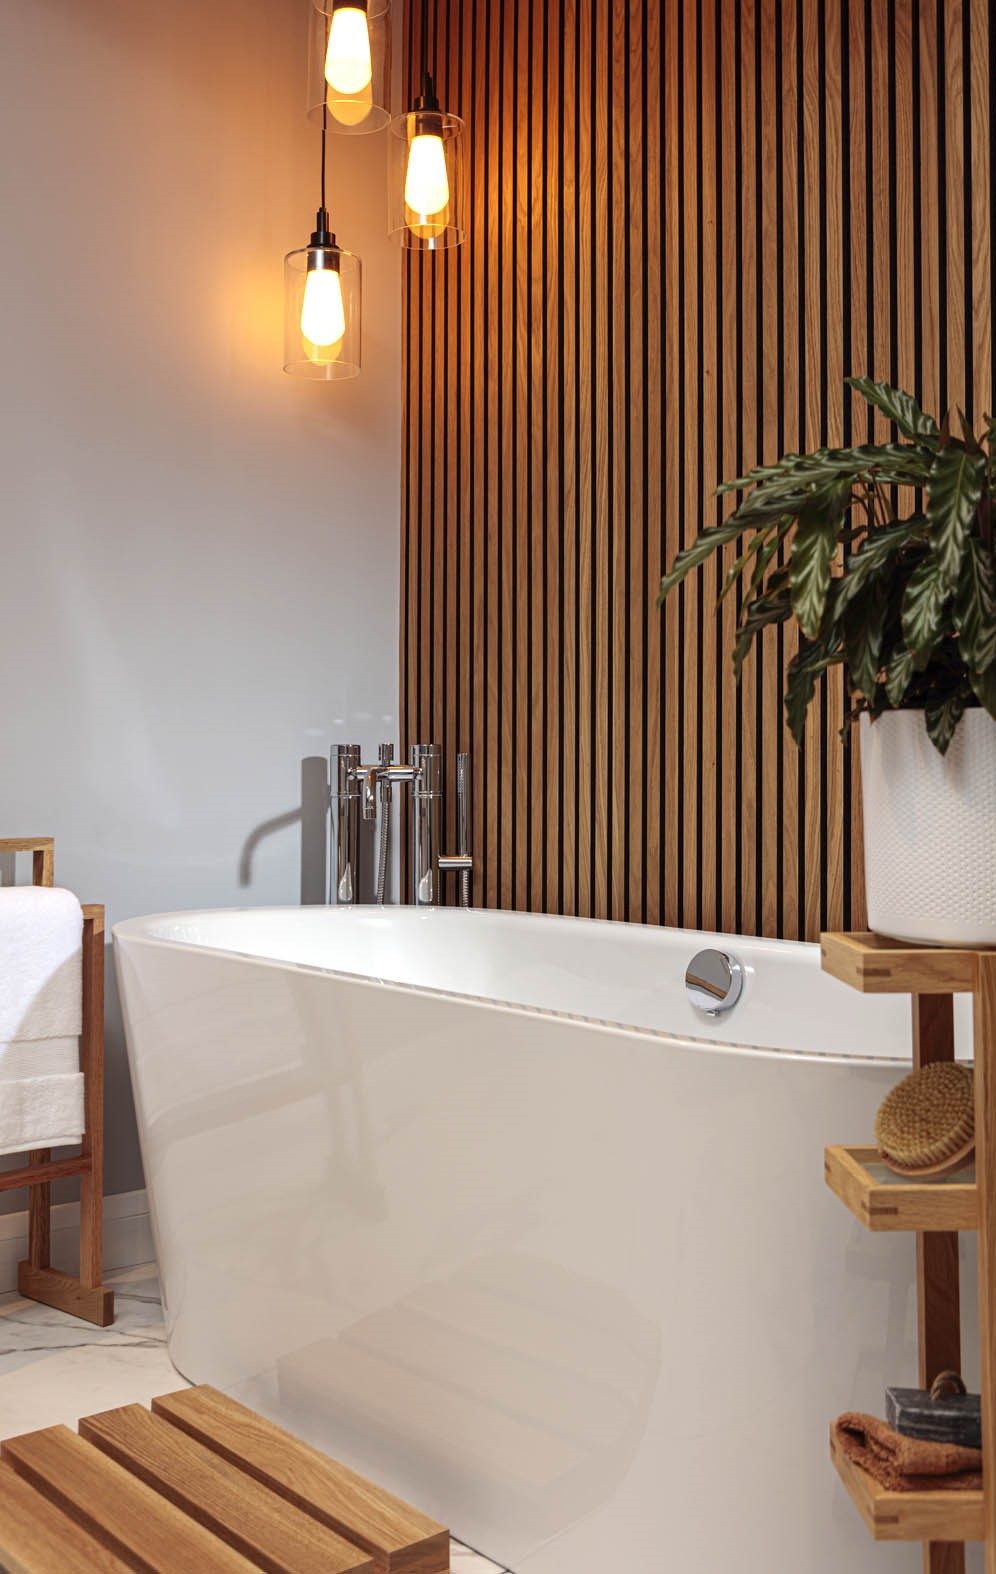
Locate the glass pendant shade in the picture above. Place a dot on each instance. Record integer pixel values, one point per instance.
(426, 198)
(322, 313)
(349, 65)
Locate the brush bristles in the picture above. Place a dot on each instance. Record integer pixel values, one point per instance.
(928, 1117)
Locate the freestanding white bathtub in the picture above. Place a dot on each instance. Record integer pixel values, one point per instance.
(481, 1204)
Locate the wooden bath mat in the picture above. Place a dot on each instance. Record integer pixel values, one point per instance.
(201, 1484)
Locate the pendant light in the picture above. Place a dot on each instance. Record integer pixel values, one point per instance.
(425, 167)
(349, 65)
(322, 303)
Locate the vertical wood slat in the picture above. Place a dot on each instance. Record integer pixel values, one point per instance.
(690, 219)
(669, 689)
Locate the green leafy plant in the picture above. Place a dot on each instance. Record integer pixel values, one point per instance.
(907, 605)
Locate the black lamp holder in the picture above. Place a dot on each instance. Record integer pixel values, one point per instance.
(426, 108)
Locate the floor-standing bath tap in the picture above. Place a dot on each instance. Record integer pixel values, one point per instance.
(354, 792)
(345, 799)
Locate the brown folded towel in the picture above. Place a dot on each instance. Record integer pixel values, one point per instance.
(906, 1464)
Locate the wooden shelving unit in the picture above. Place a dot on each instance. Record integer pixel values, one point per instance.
(935, 1211)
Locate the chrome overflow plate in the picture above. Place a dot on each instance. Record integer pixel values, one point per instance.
(714, 981)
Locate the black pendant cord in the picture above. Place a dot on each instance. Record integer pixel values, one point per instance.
(425, 44)
(323, 233)
(325, 134)
(427, 100)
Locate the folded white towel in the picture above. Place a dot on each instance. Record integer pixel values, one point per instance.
(38, 1057)
(41, 975)
(41, 983)
(41, 1112)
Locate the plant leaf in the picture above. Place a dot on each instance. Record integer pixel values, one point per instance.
(984, 685)
(898, 672)
(758, 474)
(759, 542)
(924, 607)
(703, 547)
(899, 407)
(975, 607)
(863, 637)
(891, 461)
(874, 552)
(991, 445)
(764, 557)
(955, 487)
(942, 714)
(811, 554)
(775, 607)
(971, 441)
(811, 659)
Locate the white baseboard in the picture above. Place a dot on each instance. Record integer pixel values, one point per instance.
(127, 1236)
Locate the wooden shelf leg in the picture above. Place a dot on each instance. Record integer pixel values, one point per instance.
(92, 1063)
(39, 1215)
(937, 1279)
(984, 1012)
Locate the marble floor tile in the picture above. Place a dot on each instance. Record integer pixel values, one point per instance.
(83, 1381)
(464, 1561)
(56, 1368)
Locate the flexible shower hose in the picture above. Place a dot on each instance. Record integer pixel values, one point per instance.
(385, 841)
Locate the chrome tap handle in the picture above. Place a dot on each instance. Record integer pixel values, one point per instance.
(463, 803)
(461, 863)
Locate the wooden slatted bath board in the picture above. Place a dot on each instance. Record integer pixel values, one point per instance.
(199, 1482)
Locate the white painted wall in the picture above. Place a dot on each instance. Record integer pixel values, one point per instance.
(198, 554)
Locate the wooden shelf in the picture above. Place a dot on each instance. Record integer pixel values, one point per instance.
(884, 1201)
(936, 1211)
(874, 964)
(941, 1516)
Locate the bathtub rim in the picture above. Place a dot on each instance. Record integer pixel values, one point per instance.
(135, 931)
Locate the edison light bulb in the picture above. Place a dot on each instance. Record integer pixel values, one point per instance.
(348, 66)
(427, 185)
(323, 315)
(351, 109)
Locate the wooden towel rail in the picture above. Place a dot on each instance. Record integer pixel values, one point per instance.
(85, 1296)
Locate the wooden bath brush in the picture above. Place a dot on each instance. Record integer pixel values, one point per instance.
(926, 1125)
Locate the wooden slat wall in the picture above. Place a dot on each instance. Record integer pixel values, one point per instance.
(689, 220)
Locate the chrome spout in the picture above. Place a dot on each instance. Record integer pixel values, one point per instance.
(426, 801)
(345, 792)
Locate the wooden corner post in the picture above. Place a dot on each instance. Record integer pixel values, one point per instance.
(937, 1272)
(984, 1009)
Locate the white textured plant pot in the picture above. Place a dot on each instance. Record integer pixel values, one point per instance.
(930, 829)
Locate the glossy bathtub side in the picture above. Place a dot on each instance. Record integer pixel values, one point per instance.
(554, 1281)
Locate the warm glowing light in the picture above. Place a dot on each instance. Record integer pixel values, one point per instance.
(427, 186)
(348, 66)
(351, 108)
(323, 316)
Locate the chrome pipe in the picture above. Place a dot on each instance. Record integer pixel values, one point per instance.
(385, 755)
(426, 802)
(460, 862)
(463, 824)
(345, 802)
